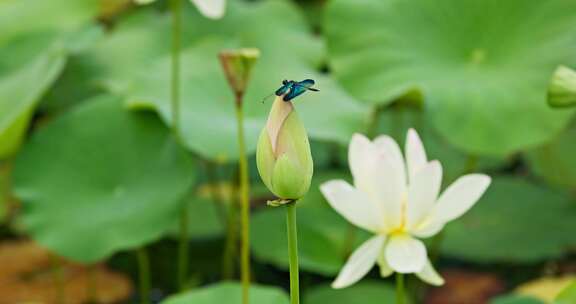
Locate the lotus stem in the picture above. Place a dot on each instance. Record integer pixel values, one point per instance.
(245, 205)
(293, 252)
(400, 294)
(143, 274)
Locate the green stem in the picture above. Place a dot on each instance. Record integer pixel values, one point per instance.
(183, 248)
(143, 274)
(230, 245)
(293, 252)
(215, 192)
(245, 205)
(228, 266)
(175, 83)
(227, 218)
(400, 296)
(5, 195)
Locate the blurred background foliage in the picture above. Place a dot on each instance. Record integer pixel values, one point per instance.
(89, 171)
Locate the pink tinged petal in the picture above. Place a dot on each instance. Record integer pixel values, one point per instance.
(429, 275)
(213, 9)
(405, 254)
(386, 193)
(390, 180)
(388, 148)
(415, 154)
(360, 158)
(353, 205)
(460, 197)
(360, 262)
(422, 193)
(278, 115)
(365, 168)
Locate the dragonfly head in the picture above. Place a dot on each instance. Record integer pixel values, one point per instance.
(284, 82)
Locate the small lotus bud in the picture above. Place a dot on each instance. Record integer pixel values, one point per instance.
(283, 155)
(562, 90)
(238, 66)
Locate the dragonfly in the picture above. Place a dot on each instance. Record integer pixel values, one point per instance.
(292, 89)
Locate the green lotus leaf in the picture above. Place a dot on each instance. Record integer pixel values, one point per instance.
(229, 293)
(74, 85)
(208, 119)
(30, 64)
(369, 292)
(483, 66)
(28, 67)
(25, 16)
(100, 179)
(509, 219)
(135, 62)
(136, 41)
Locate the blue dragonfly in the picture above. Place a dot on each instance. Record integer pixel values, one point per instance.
(292, 89)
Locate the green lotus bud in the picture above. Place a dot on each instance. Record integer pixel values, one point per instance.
(562, 90)
(283, 155)
(238, 66)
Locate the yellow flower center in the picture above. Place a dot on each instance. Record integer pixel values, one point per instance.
(401, 229)
(397, 231)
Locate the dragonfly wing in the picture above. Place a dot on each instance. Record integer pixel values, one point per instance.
(282, 90)
(296, 91)
(307, 83)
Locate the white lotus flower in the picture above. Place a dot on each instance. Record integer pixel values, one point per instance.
(399, 202)
(213, 9)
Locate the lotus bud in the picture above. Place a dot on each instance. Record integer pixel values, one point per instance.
(283, 155)
(238, 66)
(562, 90)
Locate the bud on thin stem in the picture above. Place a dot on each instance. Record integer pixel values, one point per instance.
(283, 155)
(238, 65)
